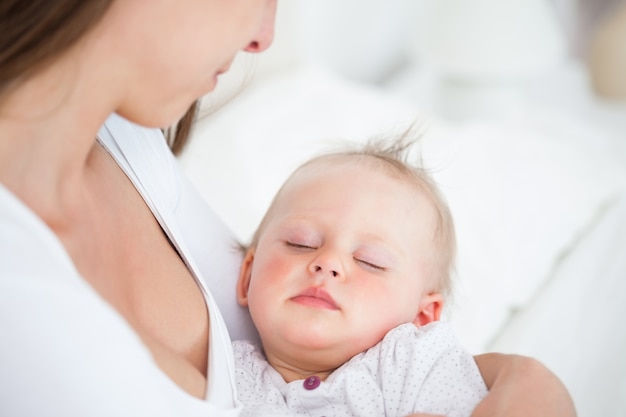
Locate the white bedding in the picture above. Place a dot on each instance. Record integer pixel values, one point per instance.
(539, 201)
(574, 324)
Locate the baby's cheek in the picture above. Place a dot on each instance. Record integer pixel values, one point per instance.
(399, 307)
(274, 270)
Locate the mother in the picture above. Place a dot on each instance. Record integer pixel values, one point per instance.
(105, 286)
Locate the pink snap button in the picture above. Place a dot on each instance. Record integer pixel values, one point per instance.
(312, 382)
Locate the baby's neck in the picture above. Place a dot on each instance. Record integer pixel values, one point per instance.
(292, 371)
(291, 374)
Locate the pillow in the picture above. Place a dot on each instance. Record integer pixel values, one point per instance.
(523, 193)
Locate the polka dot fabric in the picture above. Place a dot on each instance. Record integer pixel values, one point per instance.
(411, 370)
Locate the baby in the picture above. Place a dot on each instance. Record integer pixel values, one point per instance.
(345, 280)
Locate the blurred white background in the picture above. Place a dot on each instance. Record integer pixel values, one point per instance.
(460, 60)
(451, 55)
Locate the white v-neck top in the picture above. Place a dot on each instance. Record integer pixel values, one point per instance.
(64, 351)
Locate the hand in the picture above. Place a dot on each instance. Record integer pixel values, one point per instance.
(521, 386)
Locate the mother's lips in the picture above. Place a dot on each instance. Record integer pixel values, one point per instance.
(316, 297)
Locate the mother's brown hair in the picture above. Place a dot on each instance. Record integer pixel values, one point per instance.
(35, 32)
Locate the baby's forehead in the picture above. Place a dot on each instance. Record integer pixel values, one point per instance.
(386, 168)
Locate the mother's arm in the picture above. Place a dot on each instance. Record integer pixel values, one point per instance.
(520, 386)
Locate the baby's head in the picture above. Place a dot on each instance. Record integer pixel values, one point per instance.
(354, 244)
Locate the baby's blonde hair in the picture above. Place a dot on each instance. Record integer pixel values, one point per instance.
(392, 155)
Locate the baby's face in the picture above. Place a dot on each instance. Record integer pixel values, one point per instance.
(344, 258)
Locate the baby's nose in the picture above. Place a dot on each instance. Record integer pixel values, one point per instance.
(319, 269)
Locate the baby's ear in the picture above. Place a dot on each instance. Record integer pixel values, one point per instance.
(243, 283)
(429, 309)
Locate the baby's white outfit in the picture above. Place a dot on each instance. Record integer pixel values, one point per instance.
(411, 370)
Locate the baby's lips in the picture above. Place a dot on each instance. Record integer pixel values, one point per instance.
(316, 296)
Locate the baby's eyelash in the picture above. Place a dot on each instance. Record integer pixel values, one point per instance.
(298, 245)
(370, 265)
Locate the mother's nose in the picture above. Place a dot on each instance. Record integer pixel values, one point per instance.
(265, 36)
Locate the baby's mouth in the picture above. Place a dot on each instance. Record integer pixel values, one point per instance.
(316, 297)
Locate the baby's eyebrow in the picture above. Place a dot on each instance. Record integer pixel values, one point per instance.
(298, 228)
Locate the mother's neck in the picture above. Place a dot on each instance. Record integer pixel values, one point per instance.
(48, 126)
